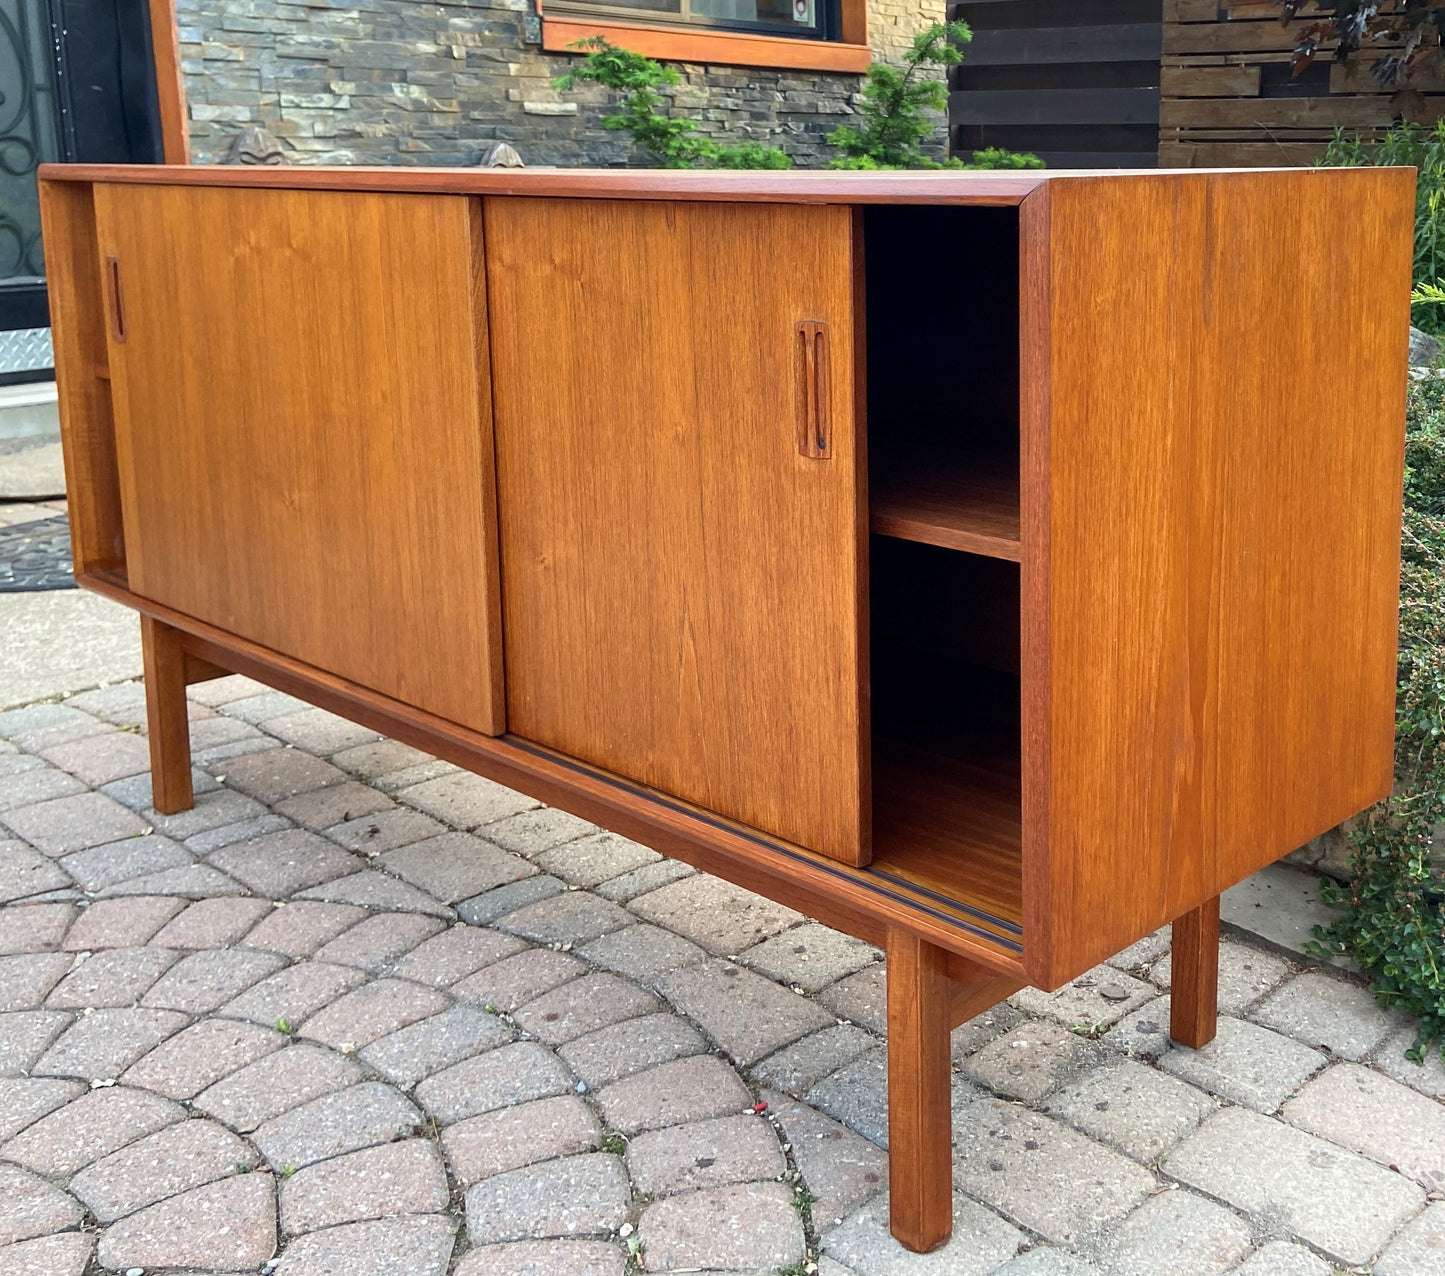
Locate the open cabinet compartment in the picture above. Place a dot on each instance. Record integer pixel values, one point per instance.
(943, 457)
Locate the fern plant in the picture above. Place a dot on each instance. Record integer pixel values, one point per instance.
(642, 111)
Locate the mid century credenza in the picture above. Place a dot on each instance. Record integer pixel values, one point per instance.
(996, 566)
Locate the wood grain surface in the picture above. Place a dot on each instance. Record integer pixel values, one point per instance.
(1218, 533)
(682, 590)
(167, 718)
(304, 429)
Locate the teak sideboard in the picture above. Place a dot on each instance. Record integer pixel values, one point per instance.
(994, 566)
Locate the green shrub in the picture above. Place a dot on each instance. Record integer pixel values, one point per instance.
(1423, 149)
(1394, 923)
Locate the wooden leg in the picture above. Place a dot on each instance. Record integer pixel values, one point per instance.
(170, 738)
(920, 1143)
(1194, 996)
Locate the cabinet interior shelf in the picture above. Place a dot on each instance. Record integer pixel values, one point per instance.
(969, 504)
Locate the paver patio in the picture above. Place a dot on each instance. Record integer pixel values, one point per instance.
(362, 1013)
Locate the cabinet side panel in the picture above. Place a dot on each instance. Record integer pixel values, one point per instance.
(681, 585)
(1225, 456)
(87, 433)
(303, 438)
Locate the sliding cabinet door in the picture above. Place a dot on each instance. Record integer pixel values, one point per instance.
(679, 489)
(304, 430)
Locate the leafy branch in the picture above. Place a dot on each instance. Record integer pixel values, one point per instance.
(1415, 25)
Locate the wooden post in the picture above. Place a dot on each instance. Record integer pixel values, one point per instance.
(170, 84)
(920, 1143)
(1194, 996)
(170, 738)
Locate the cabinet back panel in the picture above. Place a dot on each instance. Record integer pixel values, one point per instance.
(682, 588)
(304, 439)
(1211, 535)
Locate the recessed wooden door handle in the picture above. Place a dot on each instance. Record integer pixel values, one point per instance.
(810, 339)
(117, 300)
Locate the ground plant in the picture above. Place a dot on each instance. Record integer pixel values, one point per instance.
(1424, 150)
(1394, 901)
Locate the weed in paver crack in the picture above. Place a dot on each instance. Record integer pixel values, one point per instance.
(613, 1142)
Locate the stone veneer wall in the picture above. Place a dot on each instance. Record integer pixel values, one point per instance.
(415, 82)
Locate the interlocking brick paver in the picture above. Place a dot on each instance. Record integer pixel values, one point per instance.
(89, 1128)
(518, 979)
(464, 800)
(981, 1241)
(103, 866)
(841, 1169)
(1419, 1250)
(64, 1254)
(456, 953)
(621, 1049)
(540, 829)
(1281, 1258)
(394, 781)
(26, 979)
(194, 881)
(29, 1206)
(642, 881)
(39, 717)
(571, 917)
(1042, 1175)
(544, 1258)
(1335, 1200)
(381, 757)
(412, 1245)
(67, 824)
(199, 1056)
(212, 811)
(299, 928)
(1245, 975)
(750, 1225)
(230, 1224)
(120, 702)
(121, 923)
(810, 956)
(25, 1035)
(35, 783)
(797, 1068)
(1028, 1062)
(416, 1052)
(174, 1160)
(1426, 1077)
(1321, 1010)
(380, 940)
(1357, 1108)
(692, 1089)
(211, 923)
(1247, 1064)
(484, 909)
(295, 993)
(361, 1116)
(385, 830)
(25, 872)
(734, 1149)
(318, 731)
(860, 998)
(857, 1095)
(643, 953)
(335, 804)
(35, 928)
(379, 1182)
(218, 691)
(113, 977)
(102, 1045)
(275, 1084)
(747, 1015)
(377, 891)
(715, 914)
(278, 865)
(1143, 1033)
(573, 1196)
(210, 733)
(500, 1078)
(1139, 1110)
(101, 758)
(496, 1142)
(273, 775)
(456, 866)
(1097, 998)
(239, 831)
(594, 859)
(373, 1011)
(1177, 1231)
(204, 981)
(135, 790)
(24, 1100)
(582, 1006)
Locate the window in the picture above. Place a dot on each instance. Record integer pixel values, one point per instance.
(798, 18)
